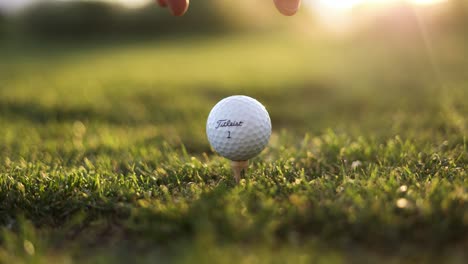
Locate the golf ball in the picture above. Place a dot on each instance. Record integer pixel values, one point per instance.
(238, 128)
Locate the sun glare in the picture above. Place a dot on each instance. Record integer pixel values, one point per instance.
(350, 4)
(339, 4)
(338, 15)
(427, 2)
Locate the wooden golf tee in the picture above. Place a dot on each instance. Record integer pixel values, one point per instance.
(239, 168)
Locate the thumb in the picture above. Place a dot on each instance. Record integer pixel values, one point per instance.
(287, 7)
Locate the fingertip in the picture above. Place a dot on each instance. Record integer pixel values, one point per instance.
(178, 7)
(287, 7)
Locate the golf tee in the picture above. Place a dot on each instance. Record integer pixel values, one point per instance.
(239, 168)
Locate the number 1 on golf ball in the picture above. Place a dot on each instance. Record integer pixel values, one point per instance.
(238, 128)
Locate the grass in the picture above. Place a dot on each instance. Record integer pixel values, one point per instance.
(104, 157)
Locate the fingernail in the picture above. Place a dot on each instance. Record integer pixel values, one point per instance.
(287, 7)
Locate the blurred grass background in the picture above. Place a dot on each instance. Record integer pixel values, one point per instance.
(113, 101)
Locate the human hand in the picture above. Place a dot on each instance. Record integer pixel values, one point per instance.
(179, 7)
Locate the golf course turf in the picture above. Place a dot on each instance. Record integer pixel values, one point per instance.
(104, 157)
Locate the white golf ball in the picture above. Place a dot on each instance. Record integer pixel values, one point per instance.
(238, 128)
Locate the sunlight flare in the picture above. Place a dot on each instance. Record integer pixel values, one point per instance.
(350, 4)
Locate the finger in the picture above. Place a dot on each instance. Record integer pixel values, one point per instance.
(162, 3)
(287, 7)
(178, 7)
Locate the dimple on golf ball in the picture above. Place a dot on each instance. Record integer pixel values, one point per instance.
(238, 128)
